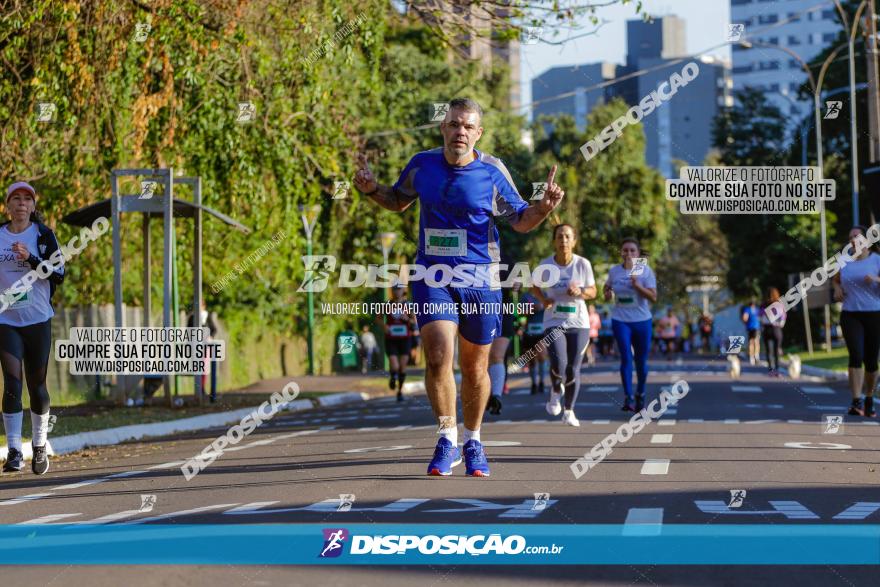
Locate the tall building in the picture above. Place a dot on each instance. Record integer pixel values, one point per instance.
(564, 90)
(663, 37)
(771, 70)
(681, 128)
(678, 130)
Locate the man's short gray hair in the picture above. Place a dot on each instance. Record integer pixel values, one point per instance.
(465, 104)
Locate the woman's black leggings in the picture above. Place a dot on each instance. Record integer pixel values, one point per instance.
(32, 344)
(773, 340)
(861, 331)
(566, 355)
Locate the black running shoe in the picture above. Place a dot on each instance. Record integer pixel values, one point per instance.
(627, 406)
(856, 408)
(534, 388)
(40, 461)
(14, 461)
(640, 403)
(494, 405)
(869, 407)
(400, 395)
(541, 388)
(392, 383)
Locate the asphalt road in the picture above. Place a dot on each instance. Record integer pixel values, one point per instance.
(365, 463)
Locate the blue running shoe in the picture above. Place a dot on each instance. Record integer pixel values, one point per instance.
(446, 456)
(475, 462)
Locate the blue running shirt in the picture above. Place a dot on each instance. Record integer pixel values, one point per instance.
(458, 207)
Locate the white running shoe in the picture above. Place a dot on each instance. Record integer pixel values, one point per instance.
(569, 418)
(554, 406)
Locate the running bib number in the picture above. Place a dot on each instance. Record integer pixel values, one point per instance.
(397, 330)
(535, 328)
(628, 301)
(23, 302)
(446, 243)
(564, 310)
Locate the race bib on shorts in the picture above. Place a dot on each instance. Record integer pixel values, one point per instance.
(564, 310)
(626, 301)
(446, 242)
(398, 330)
(535, 328)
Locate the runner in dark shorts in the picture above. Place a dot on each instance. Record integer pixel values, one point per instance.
(398, 341)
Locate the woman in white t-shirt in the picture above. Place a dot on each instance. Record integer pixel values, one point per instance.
(566, 321)
(26, 322)
(858, 287)
(634, 287)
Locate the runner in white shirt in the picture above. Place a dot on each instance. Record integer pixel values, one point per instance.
(566, 321)
(634, 288)
(26, 323)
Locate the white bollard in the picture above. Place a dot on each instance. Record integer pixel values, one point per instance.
(733, 368)
(794, 366)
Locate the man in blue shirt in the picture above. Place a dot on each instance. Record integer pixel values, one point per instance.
(461, 191)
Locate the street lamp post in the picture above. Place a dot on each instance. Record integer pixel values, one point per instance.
(816, 86)
(309, 218)
(851, 35)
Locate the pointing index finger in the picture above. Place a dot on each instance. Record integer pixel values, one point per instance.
(551, 175)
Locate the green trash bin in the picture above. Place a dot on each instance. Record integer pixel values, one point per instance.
(347, 349)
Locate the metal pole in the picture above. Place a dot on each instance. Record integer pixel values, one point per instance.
(197, 276)
(385, 299)
(167, 264)
(807, 323)
(116, 212)
(311, 296)
(852, 127)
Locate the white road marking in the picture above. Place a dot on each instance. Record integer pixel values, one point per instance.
(602, 388)
(80, 484)
(655, 467)
(760, 421)
(378, 448)
(867, 423)
(824, 445)
(643, 522)
(170, 465)
(695, 420)
(25, 498)
(125, 474)
(731, 421)
(51, 518)
(198, 510)
(795, 421)
(367, 429)
(399, 428)
(110, 518)
(828, 408)
(665, 422)
(817, 390)
(501, 443)
(502, 422)
(250, 506)
(661, 439)
(601, 421)
(746, 388)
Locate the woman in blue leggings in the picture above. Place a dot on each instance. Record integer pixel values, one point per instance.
(633, 286)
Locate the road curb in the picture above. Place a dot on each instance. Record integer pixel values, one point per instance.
(112, 436)
(419, 386)
(818, 372)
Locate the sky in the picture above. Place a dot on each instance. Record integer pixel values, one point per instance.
(705, 26)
